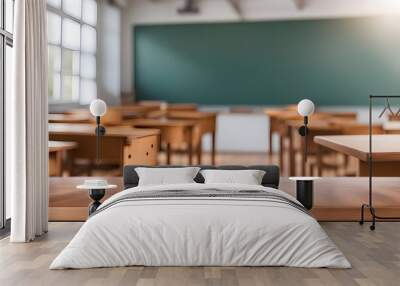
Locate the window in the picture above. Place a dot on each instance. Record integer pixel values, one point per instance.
(72, 40)
(6, 44)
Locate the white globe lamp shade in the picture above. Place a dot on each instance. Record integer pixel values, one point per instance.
(98, 107)
(305, 107)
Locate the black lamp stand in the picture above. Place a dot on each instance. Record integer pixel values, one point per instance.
(100, 131)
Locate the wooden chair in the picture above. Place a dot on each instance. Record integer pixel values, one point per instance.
(205, 124)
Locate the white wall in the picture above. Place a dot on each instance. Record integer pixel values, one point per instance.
(243, 132)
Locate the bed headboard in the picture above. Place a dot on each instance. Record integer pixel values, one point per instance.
(271, 177)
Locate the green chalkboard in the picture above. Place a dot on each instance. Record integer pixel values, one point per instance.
(333, 62)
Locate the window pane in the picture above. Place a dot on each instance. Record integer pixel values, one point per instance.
(53, 28)
(54, 3)
(71, 34)
(88, 39)
(89, 12)
(1, 22)
(54, 59)
(9, 15)
(73, 8)
(70, 62)
(88, 68)
(54, 86)
(88, 91)
(70, 88)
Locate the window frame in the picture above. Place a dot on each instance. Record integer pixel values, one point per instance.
(6, 40)
(60, 12)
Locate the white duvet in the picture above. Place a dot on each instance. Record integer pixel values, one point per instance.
(202, 232)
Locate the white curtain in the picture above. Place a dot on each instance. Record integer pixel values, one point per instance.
(26, 117)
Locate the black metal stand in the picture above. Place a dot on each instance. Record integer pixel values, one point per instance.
(100, 131)
(96, 195)
(305, 193)
(370, 205)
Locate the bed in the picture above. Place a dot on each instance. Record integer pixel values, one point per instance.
(197, 224)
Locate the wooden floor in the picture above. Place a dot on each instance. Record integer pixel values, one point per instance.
(375, 257)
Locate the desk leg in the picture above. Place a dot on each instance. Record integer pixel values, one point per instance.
(319, 160)
(213, 139)
(199, 152)
(281, 153)
(168, 153)
(292, 154)
(190, 145)
(270, 133)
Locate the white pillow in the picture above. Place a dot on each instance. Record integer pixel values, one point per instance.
(166, 176)
(248, 177)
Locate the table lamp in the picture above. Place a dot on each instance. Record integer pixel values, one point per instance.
(305, 108)
(98, 108)
(304, 185)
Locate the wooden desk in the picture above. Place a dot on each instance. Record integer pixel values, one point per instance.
(120, 145)
(385, 152)
(70, 118)
(173, 132)
(206, 123)
(115, 115)
(335, 198)
(57, 150)
(275, 116)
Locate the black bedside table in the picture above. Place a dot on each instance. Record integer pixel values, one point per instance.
(305, 190)
(96, 193)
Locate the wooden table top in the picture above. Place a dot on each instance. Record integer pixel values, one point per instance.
(70, 118)
(281, 112)
(384, 147)
(162, 122)
(89, 129)
(55, 146)
(191, 114)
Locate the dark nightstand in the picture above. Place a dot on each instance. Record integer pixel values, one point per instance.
(97, 190)
(304, 190)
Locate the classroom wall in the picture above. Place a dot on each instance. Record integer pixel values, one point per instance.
(332, 61)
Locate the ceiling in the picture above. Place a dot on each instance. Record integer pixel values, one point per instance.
(165, 11)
